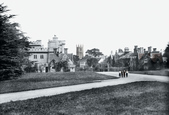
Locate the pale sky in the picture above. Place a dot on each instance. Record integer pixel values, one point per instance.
(104, 24)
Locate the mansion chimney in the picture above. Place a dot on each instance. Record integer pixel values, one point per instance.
(55, 38)
(135, 49)
(149, 49)
(139, 50)
(154, 49)
(65, 50)
(126, 49)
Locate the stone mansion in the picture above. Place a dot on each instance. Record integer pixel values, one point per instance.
(42, 57)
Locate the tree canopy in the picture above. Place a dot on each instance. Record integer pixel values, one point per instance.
(166, 54)
(92, 62)
(111, 61)
(13, 46)
(94, 52)
(75, 59)
(61, 64)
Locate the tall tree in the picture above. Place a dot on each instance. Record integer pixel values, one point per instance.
(111, 61)
(13, 46)
(61, 64)
(94, 52)
(75, 59)
(92, 62)
(166, 54)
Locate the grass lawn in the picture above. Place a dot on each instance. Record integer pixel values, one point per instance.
(139, 98)
(33, 81)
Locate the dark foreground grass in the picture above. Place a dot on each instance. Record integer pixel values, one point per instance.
(139, 98)
(33, 81)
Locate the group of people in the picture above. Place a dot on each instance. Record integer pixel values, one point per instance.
(123, 73)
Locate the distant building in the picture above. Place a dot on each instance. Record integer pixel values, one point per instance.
(103, 63)
(62, 57)
(121, 54)
(145, 60)
(38, 54)
(80, 51)
(139, 59)
(42, 57)
(134, 59)
(83, 62)
(56, 44)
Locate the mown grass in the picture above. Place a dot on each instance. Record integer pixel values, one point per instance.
(139, 98)
(33, 81)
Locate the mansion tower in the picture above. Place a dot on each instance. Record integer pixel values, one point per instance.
(79, 51)
(40, 55)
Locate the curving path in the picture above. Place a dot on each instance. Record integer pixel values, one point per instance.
(4, 98)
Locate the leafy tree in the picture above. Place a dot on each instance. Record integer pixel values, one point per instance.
(61, 64)
(75, 59)
(30, 67)
(118, 63)
(92, 62)
(94, 52)
(166, 54)
(111, 61)
(13, 46)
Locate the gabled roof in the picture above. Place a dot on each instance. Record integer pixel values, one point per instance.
(67, 56)
(53, 57)
(144, 55)
(133, 54)
(156, 57)
(126, 55)
(101, 59)
(164, 55)
(60, 57)
(140, 55)
(155, 52)
(105, 61)
(83, 59)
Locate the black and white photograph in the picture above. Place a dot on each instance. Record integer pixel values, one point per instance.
(84, 57)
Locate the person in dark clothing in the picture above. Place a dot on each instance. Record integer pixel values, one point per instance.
(121, 73)
(124, 73)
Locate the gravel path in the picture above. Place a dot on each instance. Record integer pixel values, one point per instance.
(4, 98)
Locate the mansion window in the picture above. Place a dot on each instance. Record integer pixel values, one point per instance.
(41, 57)
(35, 56)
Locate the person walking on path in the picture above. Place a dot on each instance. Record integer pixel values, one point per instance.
(119, 73)
(122, 73)
(126, 73)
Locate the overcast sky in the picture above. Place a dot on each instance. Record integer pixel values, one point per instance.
(103, 24)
